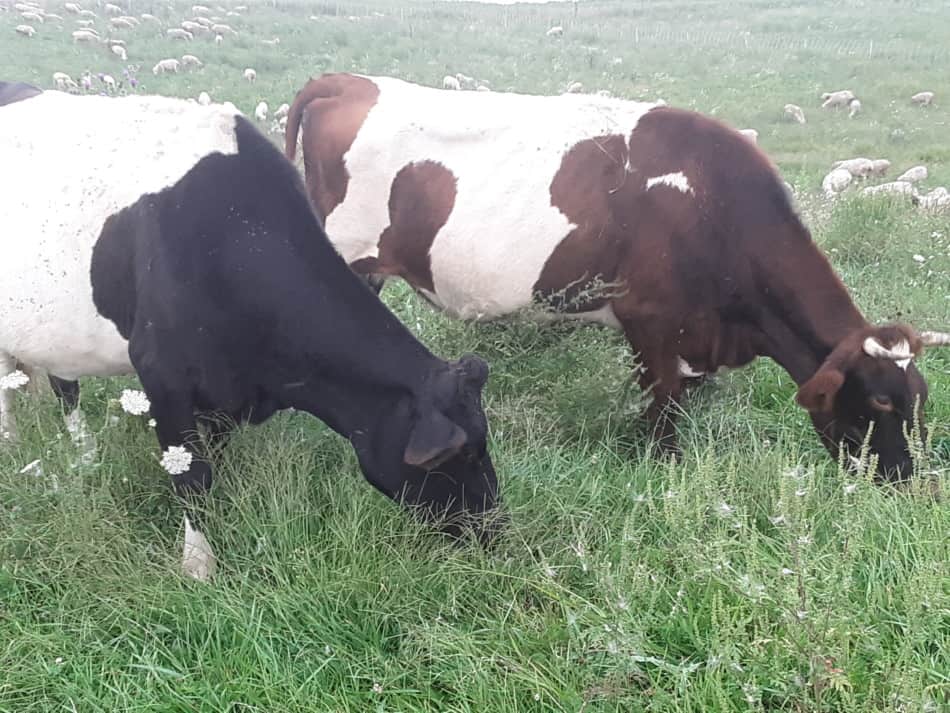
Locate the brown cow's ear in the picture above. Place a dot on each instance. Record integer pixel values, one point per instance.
(817, 395)
(433, 440)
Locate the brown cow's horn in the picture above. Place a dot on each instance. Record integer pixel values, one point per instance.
(874, 348)
(935, 339)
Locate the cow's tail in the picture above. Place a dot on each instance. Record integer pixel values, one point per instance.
(314, 89)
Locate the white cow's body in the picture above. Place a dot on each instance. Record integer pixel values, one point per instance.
(51, 153)
(505, 150)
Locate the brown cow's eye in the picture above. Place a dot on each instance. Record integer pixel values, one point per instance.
(880, 402)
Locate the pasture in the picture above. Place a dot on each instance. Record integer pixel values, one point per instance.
(753, 574)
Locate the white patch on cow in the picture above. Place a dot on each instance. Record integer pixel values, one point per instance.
(69, 163)
(197, 558)
(675, 180)
(504, 149)
(685, 370)
(903, 347)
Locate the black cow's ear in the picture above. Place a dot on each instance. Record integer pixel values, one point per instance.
(433, 440)
(817, 395)
(474, 369)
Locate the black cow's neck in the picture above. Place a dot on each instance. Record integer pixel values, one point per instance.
(807, 309)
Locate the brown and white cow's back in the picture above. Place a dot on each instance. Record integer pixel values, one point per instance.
(662, 222)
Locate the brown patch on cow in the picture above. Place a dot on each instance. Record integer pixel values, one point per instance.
(331, 110)
(420, 201)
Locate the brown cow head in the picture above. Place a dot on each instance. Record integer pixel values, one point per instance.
(871, 376)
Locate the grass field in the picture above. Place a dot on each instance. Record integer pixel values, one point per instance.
(755, 574)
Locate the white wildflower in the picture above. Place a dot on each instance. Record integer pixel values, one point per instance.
(550, 571)
(622, 604)
(59, 659)
(777, 520)
(33, 468)
(537, 696)
(725, 510)
(801, 492)
(152, 423)
(327, 650)
(801, 614)
(134, 402)
(377, 688)
(850, 488)
(639, 498)
(796, 473)
(920, 259)
(786, 571)
(13, 381)
(176, 460)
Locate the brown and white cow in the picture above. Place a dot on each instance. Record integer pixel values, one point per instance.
(661, 222)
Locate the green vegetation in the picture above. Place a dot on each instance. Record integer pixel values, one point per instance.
(755, 574)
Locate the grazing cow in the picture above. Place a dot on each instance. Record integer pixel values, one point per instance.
(661, 222)
(209, 275)
(17, 91)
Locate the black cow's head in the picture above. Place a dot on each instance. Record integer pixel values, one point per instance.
(430, 451)
(871, 377)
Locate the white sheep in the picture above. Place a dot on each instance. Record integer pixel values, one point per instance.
(121, 23)
(119, 51)
(52, 16)
(556, 31)
(854, 108)
(923, 98)
(220, 29)
(272, 43)
(109, 81)
(482, 88)
(260, 111)
(751, 134)
(60, 79)
(176, 33)
(85, 36)
(204, 99)
(914, 175)
(937, 199)
(465, 81)
(148, 17)
(86, 24)
(72, 7)
(857, 167)
(795, 112)
(200, 10)
(218, 39)
(88, 14)
(575, 88)
(32, 17)
(450, 82)
(880, 166)
(189, 60)
(129, 18)
(250, 74)
(838, 99)
(836, 181)
(193, 27)
(282, 111)
(25, 30)
(166, 65)
(111, 9)
(204, 22)
(894, 188)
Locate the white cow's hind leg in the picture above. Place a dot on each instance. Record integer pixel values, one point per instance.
(7, 422)
(197, 560)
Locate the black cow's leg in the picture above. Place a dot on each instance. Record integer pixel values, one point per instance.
(67, 391)
(176, 428)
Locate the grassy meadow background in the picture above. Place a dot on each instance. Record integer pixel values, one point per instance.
(753, 575)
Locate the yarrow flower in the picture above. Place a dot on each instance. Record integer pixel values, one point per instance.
(176, 460)
(850, 488)
(134, 402)
(13, 381)
(377, 688)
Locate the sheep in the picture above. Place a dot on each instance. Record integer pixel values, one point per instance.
(176, 33)
(450, 82)
(250, 74)
(113, 42)
(282, 111)
(119, 51)
(72, 87)
(465, 81)
(795, 112)
(575, 88)
(25, 7)
(25, 30)
(838, 99)
(751, 134)
(205, 22)
(88, 14)
(894, 188)
(923, 98)
(192, 27)
(86, 24)
(282, 124)
(147, 17)
(166, 65)
(121, 23)
(271, 43)
(129, 18)
(260, 111)
(880, 166)
(556, 31)
(189, 60)
(60, 79)
(111, 9)
(72, 7)
(836, 181)
(204, 99)
(200, 10)
(854, 107)
(85, 36)
(937, 199)
(52, 16)
(32, 17)
(482, 88)
(222, 30)
(108, 81)
(857, 167)
(914, 175)
(218, 39)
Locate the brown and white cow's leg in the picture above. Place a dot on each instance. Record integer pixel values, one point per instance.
(176, 429)
(7, 420)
